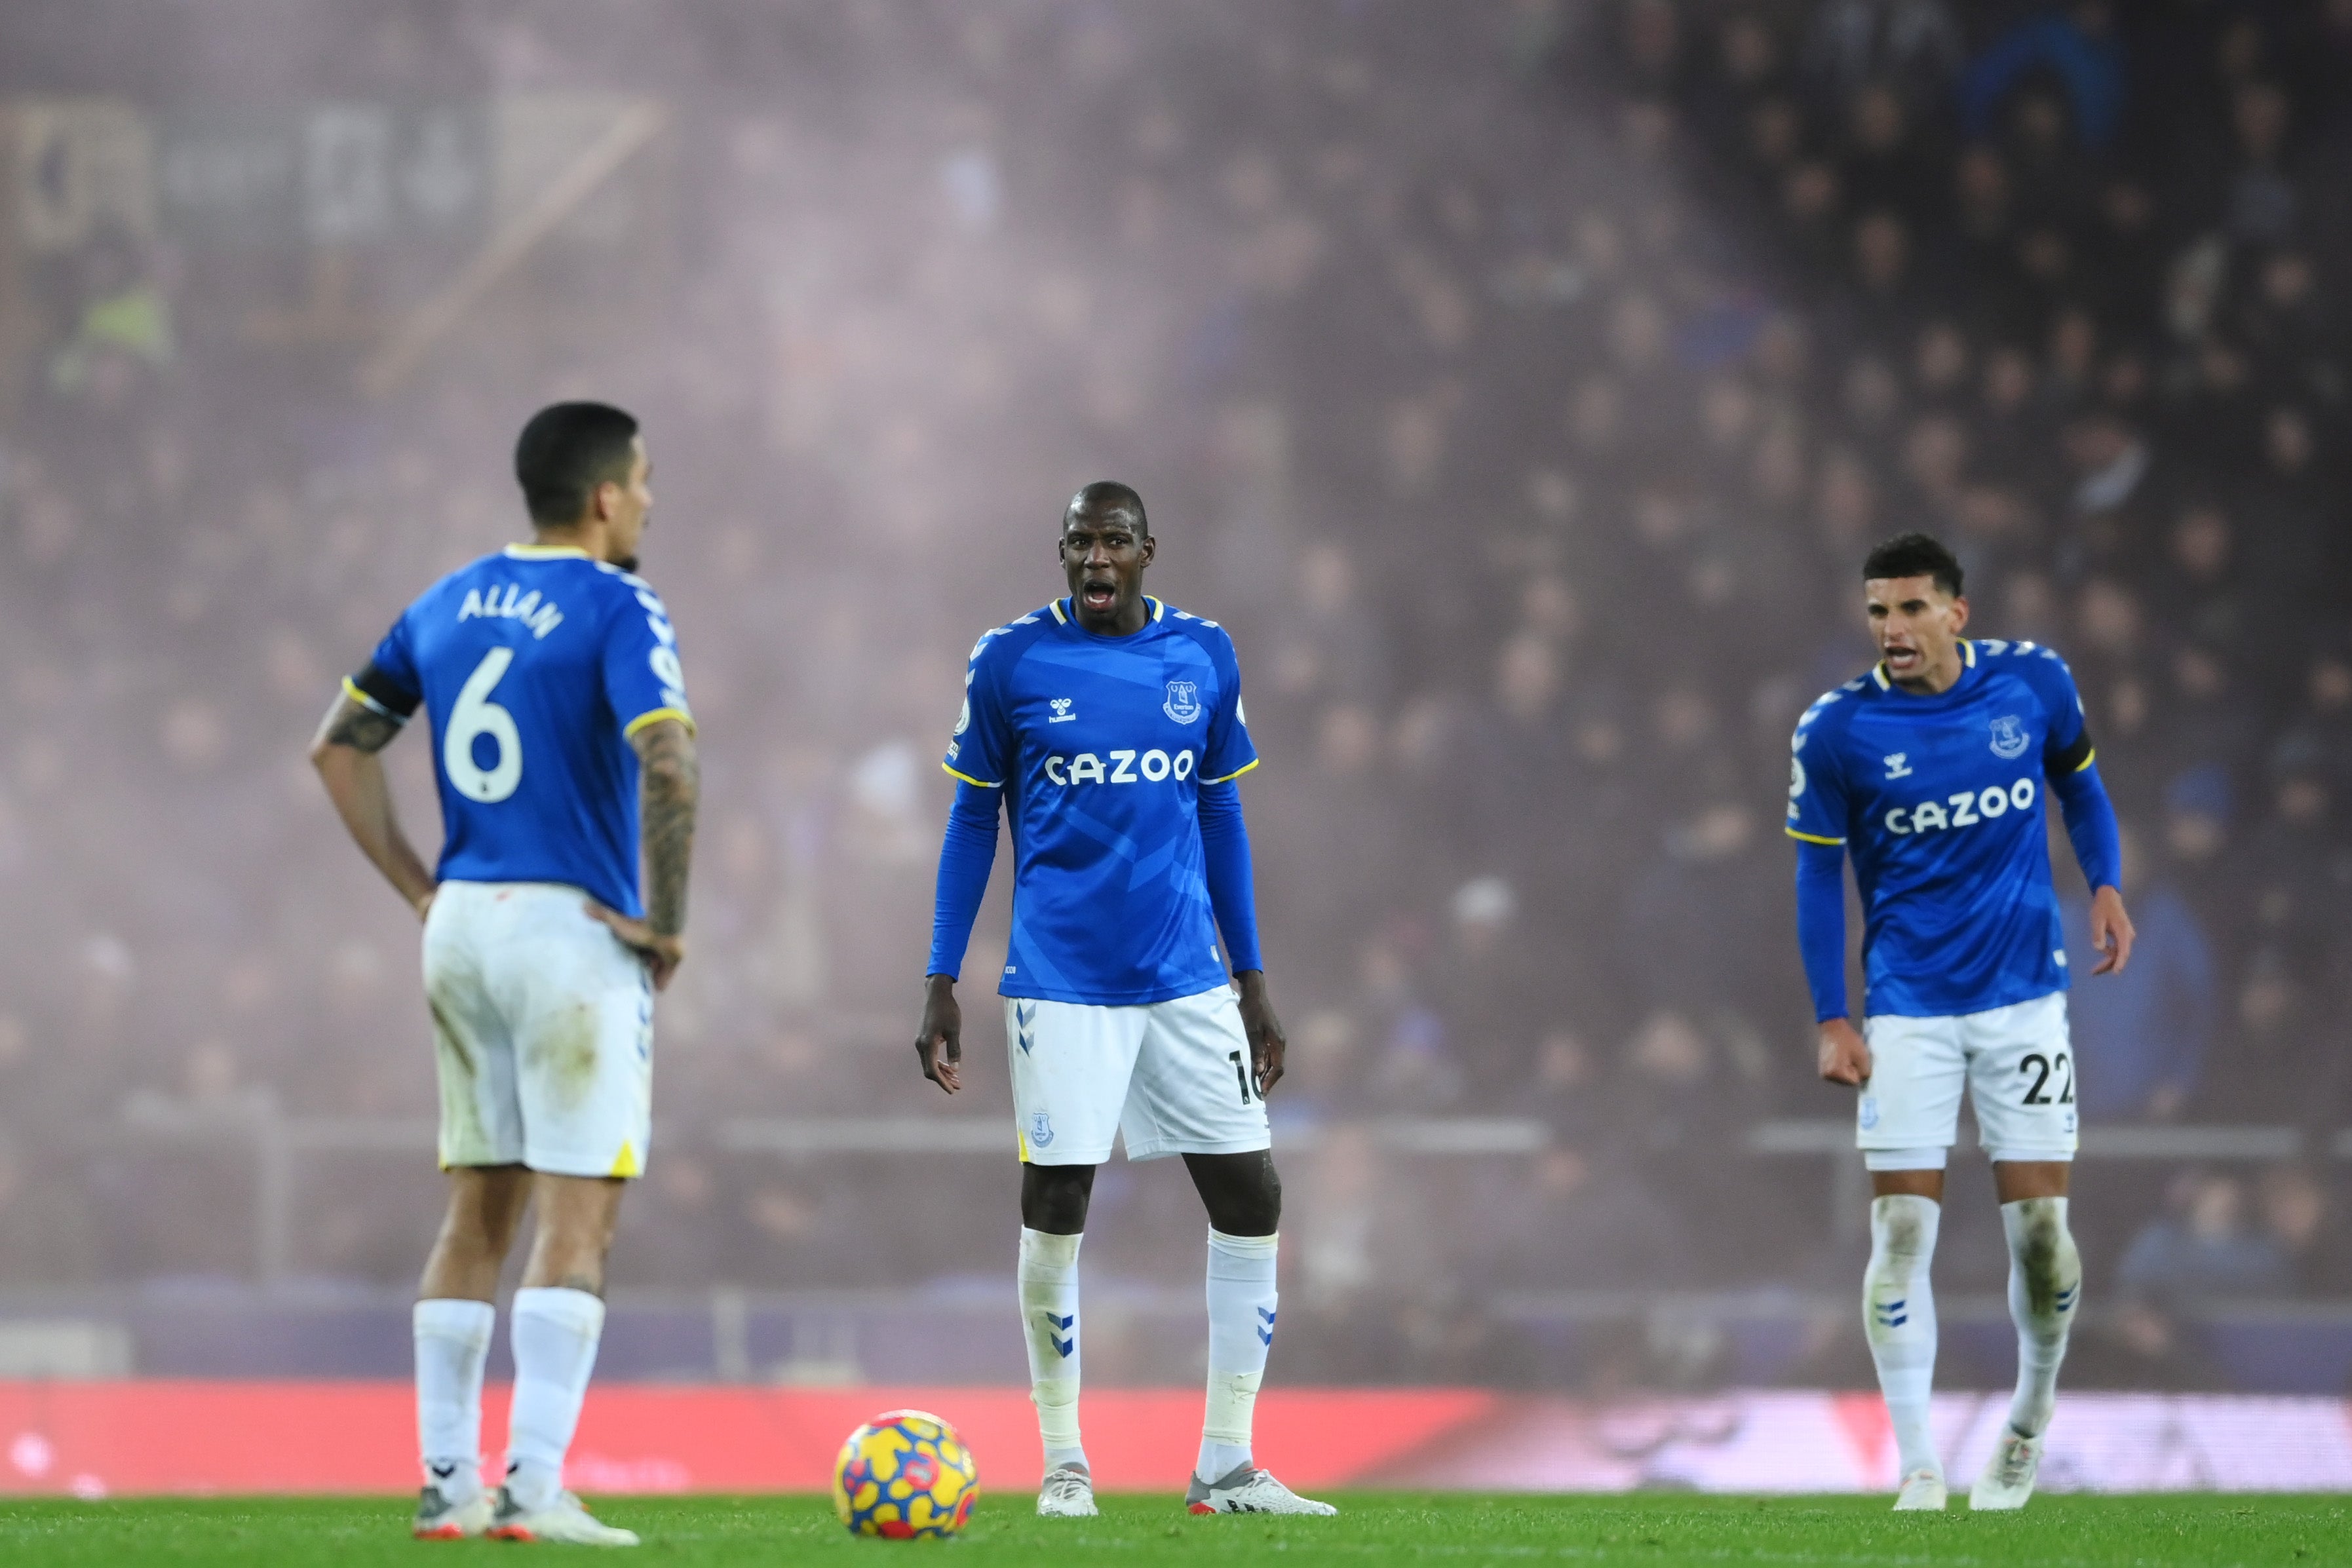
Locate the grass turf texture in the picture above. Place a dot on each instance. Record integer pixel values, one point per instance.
(1652, 1528)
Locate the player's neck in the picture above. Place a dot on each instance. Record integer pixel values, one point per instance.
(1938, 678)
(587, 539)
(1124, 622)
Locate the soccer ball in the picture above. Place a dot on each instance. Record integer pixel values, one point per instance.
(905, 1476)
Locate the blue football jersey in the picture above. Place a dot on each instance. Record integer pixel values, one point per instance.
(1101, 745)
(1939, 799)
(536, 666)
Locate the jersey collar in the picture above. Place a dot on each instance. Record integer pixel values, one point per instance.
(544, 552)
(1968, 662)
(1158, 611)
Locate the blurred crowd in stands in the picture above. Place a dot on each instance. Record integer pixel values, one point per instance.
(1522, 384)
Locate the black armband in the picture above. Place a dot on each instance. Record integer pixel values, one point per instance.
(2072, 759)
(381, 693)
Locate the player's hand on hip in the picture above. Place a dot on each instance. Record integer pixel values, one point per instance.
(2112, 935)
(1844, 1058)
(1267, 1043)
(938, 1042)
(661, 955)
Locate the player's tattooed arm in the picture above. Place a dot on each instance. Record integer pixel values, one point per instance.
(345, 753)
(1267, 1042)
(669, 787)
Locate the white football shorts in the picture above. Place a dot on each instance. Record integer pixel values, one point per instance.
(1172, 1078)
(544, 1027)
(2016, 1063)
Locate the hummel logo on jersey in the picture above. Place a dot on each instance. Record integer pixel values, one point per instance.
(1062, 714)
(1898, 766)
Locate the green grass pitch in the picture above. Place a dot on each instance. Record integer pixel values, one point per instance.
(1650, 1528)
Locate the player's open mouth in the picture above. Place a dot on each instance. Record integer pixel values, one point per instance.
(1901, 658)
(1098, 595)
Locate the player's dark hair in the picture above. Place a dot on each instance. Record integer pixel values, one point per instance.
(566, 452)
(1108, 498)
(1914, 554)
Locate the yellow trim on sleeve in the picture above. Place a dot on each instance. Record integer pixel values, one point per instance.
(351, 690)
(970, 779)
(2088, 760)
(1810, 838)
(655, 716)
(1236, 773)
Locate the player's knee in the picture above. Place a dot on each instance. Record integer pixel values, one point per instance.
(2044, 1247)
(1054, 1197)
(1248, 1200)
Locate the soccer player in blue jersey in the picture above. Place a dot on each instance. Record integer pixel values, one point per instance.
(1109, 724)
(1931, 771)
(565, 751)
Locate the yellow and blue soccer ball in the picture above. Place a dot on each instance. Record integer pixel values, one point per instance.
(905, 1476)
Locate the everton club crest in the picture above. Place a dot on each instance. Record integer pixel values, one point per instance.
(1183, 704)
(2009, 738)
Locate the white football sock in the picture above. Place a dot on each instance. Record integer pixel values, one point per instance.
(1049, 1314)
(453, 1343)
(554, 1335)
(1242, 1300)
(1898, 1314)
(2045, 1286)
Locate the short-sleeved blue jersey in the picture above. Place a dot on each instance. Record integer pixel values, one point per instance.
(536, 666)
(1939, 801)
(1100, 744)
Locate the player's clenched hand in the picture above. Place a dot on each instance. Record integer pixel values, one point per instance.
(1844, 1058)
(661, 955)
(1266, 1041)
(2111, 932)
(938, 1043)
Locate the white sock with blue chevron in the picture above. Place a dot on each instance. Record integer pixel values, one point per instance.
(1242, 1302)
(1898, 1314)
(2045, 1285)
(1049, 1315)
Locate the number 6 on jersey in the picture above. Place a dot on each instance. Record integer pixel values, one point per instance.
(472, 714)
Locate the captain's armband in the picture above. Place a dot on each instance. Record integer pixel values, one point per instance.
(2071, 758)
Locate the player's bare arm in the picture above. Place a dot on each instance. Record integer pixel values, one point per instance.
(1267, 1042)
(669, 787)
(938, 1041)
(346, 751)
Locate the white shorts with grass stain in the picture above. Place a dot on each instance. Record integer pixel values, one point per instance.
(544, 1025)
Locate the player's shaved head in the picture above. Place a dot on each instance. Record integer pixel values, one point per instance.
(1105, 499)
(1914, 555)
(566, 452)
